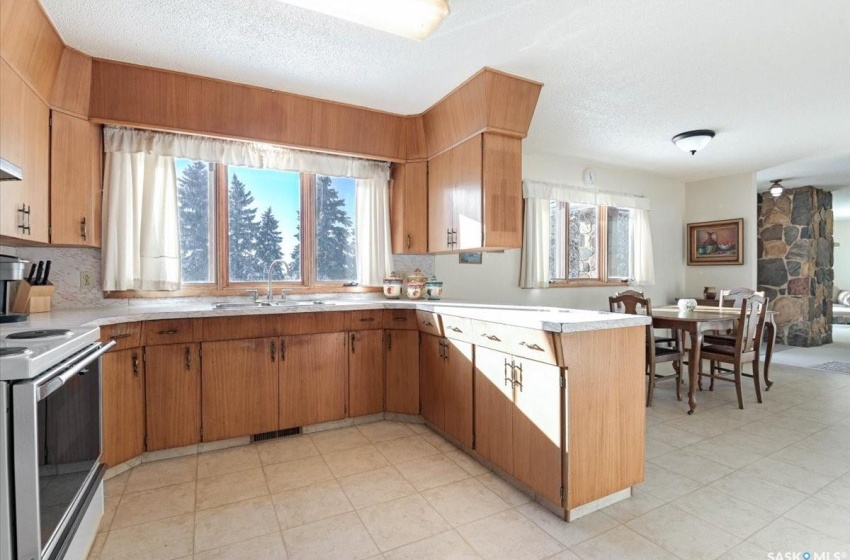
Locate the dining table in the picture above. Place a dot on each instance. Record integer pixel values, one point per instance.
(703, 319)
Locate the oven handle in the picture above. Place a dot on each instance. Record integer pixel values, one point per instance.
(45, 388)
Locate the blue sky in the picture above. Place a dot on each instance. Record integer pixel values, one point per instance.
(281, 191)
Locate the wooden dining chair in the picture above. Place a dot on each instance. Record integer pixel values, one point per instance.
(634, 303)
(627, 305)
(747, 338)
(734, 297)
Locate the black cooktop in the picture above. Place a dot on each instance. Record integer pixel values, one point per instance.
(12, 351)
(45, 333)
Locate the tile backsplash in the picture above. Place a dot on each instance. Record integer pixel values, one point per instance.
(69, 262)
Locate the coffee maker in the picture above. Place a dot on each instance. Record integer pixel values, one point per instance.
(11, 269)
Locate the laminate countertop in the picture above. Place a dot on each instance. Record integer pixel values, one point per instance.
(551, 319)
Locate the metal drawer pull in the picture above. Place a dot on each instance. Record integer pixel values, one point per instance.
(353, 338)
(455, 329)
(509, 366)
(492, 337)
(119, 336)
(518, 368)
(532, 346)
(188, 359)
(427, 323)
(408, 241)
(367, 319)
(400, 319)
(273, 347)
(84, 229)
(170, 331)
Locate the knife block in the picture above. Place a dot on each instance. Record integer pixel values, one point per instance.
(33, 299)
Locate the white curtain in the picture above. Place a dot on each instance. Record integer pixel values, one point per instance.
(536, 242)
(641, 263)
(534, 271)
(141, 242)
(372, 231)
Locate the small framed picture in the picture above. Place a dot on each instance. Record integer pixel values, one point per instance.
(469, 258)
(718, 242)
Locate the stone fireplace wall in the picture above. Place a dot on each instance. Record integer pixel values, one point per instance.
(795, 257)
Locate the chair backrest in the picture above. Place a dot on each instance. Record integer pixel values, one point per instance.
(735, 297)
(751, 323)
(629, 301)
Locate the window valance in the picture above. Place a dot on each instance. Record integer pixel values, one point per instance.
(581, 195)
(234, 152)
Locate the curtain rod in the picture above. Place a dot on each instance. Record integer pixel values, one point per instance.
(585, 189)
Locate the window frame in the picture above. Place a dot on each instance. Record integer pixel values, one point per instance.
(602, 278)
(220, 249)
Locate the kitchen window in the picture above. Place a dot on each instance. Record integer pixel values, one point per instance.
(256, 216)
(589, 244)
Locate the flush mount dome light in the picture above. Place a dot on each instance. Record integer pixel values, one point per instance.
(693, 140)
(414, 19)
(776, 189)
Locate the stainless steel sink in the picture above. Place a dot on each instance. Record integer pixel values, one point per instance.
(288, 303)
(240, 304)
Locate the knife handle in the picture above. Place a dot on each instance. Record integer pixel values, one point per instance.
(32, 274)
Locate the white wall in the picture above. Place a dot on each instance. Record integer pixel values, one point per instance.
(723, 198)
(841, 235)
(496, 280)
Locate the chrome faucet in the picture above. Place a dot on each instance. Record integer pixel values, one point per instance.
(288, 273)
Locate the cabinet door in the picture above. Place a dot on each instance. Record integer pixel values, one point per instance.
(494, 407)
(239, 388)
(466, 195)
(173, 395)
(502, 191)
(313, 369)
(365, 372)
(431, 379)
(71, 219)
(401, 362)
(11, 146)
(408, 199)
(123, 390)
(440, 202)
(537, 427)
(457, 391)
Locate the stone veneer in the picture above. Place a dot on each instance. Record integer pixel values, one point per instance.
(795, 256)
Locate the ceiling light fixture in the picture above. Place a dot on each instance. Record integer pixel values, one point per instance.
(776, 189)
(693, 140)
(414, 19)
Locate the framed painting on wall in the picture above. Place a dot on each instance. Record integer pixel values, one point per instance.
(714, 243)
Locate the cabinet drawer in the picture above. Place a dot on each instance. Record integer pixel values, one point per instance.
(245, 326)
(428, 322)
(126, 335)
(169, 331)
(366, 319)
(519, 341)
(458, 328)
(400, 319)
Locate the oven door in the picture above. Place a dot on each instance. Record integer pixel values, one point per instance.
(56, 450)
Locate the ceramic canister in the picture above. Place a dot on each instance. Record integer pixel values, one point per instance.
(392, 286)
(433, 288)
(415, 284)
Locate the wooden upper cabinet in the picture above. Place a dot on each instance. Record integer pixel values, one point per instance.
(25, 142)
(313, 371)
(173, 395)
(475, 195)
(75, 181)
(401, 363)
(239, 388)
(408, 208)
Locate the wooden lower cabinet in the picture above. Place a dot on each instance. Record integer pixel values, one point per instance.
(446, 386)
(239, 388)
(518, 419)
(173, 395)
(313, 369)
(365, 372)
(123, 390)
(401, 363)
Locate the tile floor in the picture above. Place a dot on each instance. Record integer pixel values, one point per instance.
(724, 483)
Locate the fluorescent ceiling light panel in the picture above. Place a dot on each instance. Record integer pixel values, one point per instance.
(414, 19)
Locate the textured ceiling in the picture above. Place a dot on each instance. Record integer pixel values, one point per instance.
(828, 172)
(621, 76)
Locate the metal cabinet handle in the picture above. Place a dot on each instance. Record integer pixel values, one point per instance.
(518, 368)
(353, 338)
(119, 336)
(454, 237)
(531, 346)
(389, 341)
(511, 366)
(448, 237)
(24, 220)
(188, 359)
(170, 331)
(400, 319)
(455, 329)
(366, 319)
(492, 337)
(135, 364)
(409, 241)
(427, 323)
(273, 348)
(282, 350)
